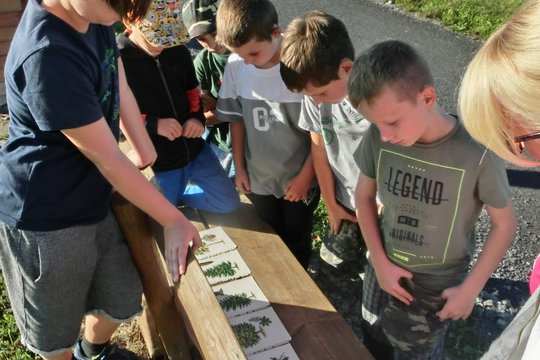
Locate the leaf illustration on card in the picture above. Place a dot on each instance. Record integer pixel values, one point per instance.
(248, 334)
(280, 357)
(241, 296)
(202, 250)
(223, 269)
(236, 301)
(215, 241)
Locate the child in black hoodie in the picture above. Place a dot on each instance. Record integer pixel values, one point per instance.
(160, 72)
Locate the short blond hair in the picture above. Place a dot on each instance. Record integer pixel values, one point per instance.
(240, 21)
(500, 91)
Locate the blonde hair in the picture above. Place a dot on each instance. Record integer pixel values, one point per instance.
(500, 92)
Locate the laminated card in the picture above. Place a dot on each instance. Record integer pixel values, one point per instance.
(242, 296)
(215, 241)
(284, 352)
(224, 267)
(260, 330)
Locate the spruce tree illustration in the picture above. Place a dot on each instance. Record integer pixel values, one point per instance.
(222, 269)
(280, 357)
(235, 301)
(247, 333)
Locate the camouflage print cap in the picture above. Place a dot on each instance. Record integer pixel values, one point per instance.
(200, 16)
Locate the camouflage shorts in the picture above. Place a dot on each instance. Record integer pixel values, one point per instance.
(338, 269)
(345, 248)
(414, 330)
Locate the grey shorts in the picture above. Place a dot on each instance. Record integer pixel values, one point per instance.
(56, 277)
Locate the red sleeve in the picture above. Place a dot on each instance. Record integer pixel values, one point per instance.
(194, 100)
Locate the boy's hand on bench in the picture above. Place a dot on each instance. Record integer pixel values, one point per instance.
(177, 240)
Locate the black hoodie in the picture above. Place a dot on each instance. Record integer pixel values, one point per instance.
(144, 78)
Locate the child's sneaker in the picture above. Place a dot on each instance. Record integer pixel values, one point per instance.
(111, 352)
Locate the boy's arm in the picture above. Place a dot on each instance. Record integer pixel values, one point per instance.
(98, 144)
(325, 177)
(142, 152)
(209, 105)
(388, 274)
(238, 140)
(298, 187)
(460, 299)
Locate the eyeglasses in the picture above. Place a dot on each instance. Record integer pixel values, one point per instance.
(520, 140)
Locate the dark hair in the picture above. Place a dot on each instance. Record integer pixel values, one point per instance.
(388, 63)
(130, 10)
(240, 21)
(312, 50)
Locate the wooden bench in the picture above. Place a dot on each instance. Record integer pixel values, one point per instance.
(180, 318)
(317, 330)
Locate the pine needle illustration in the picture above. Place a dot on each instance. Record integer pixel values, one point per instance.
(223, 269)
(236, 301)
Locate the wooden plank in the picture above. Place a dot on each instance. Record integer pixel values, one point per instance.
(10, 5)
(146, 256)
(6, 34)
(4, 47)
(10, 19)
(202, 316)
(317, 330)
(149, 332)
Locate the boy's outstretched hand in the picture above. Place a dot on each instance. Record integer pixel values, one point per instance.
(177, 239)
(388, 277)
(459, 303)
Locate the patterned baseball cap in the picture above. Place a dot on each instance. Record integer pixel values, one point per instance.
(200, 16)
(163, 26)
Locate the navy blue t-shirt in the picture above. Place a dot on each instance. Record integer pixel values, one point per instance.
(56, 78)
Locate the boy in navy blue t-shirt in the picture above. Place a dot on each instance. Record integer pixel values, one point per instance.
(61, 253)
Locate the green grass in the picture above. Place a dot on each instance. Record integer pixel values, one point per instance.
(320, 221)
(10, 342)
(478, 18)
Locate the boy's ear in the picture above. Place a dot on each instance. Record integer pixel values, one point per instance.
(345, 68)
(429, 96)
(276, 32)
